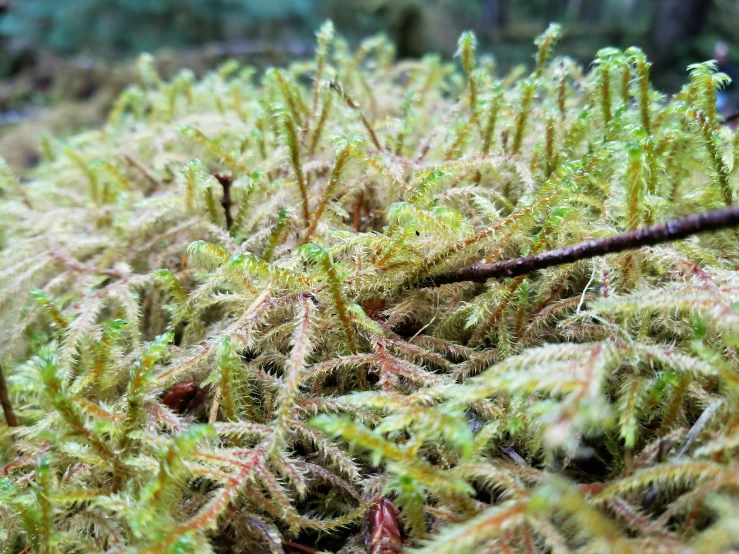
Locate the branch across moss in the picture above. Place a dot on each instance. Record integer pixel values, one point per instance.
(631, 240)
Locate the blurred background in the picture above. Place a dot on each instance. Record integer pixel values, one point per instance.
(63, 61)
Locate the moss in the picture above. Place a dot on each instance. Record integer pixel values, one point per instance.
(219, 334)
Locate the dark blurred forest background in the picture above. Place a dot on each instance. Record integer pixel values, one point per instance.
(62, 61)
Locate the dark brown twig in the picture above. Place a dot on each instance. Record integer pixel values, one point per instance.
(357, 219)
(226, 182)
(5, 401)
(654, 234)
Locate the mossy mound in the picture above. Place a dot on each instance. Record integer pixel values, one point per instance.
(242, 353)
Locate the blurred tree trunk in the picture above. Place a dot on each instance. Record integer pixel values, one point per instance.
(675, 23)
(408, 31)
(495, 17)
(594, 11)
(555, 10)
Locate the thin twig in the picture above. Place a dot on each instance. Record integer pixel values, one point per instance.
(354, 106)
(357, 219)
(296, 546)
(654, 234)
(697, 428)
(226, 182)
(75, 265)
(133, 162)
(5, 401)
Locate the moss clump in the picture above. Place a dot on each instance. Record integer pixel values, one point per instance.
(216, 337)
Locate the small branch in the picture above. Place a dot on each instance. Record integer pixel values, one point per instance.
(144, 171)
(300, 547)
(75, 265)
(697, 428)
(5, 401)
(357, 219)
(354, 106)
(654, 234)
(226, 182)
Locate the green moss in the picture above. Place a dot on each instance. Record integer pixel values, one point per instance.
(192, 381)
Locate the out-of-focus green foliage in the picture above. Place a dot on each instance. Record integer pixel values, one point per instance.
(123, 27)
(127, 26)
(103, 27)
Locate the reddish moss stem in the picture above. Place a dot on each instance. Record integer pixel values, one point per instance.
(5, 401)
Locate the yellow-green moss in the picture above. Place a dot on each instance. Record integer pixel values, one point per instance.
(586, 407)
